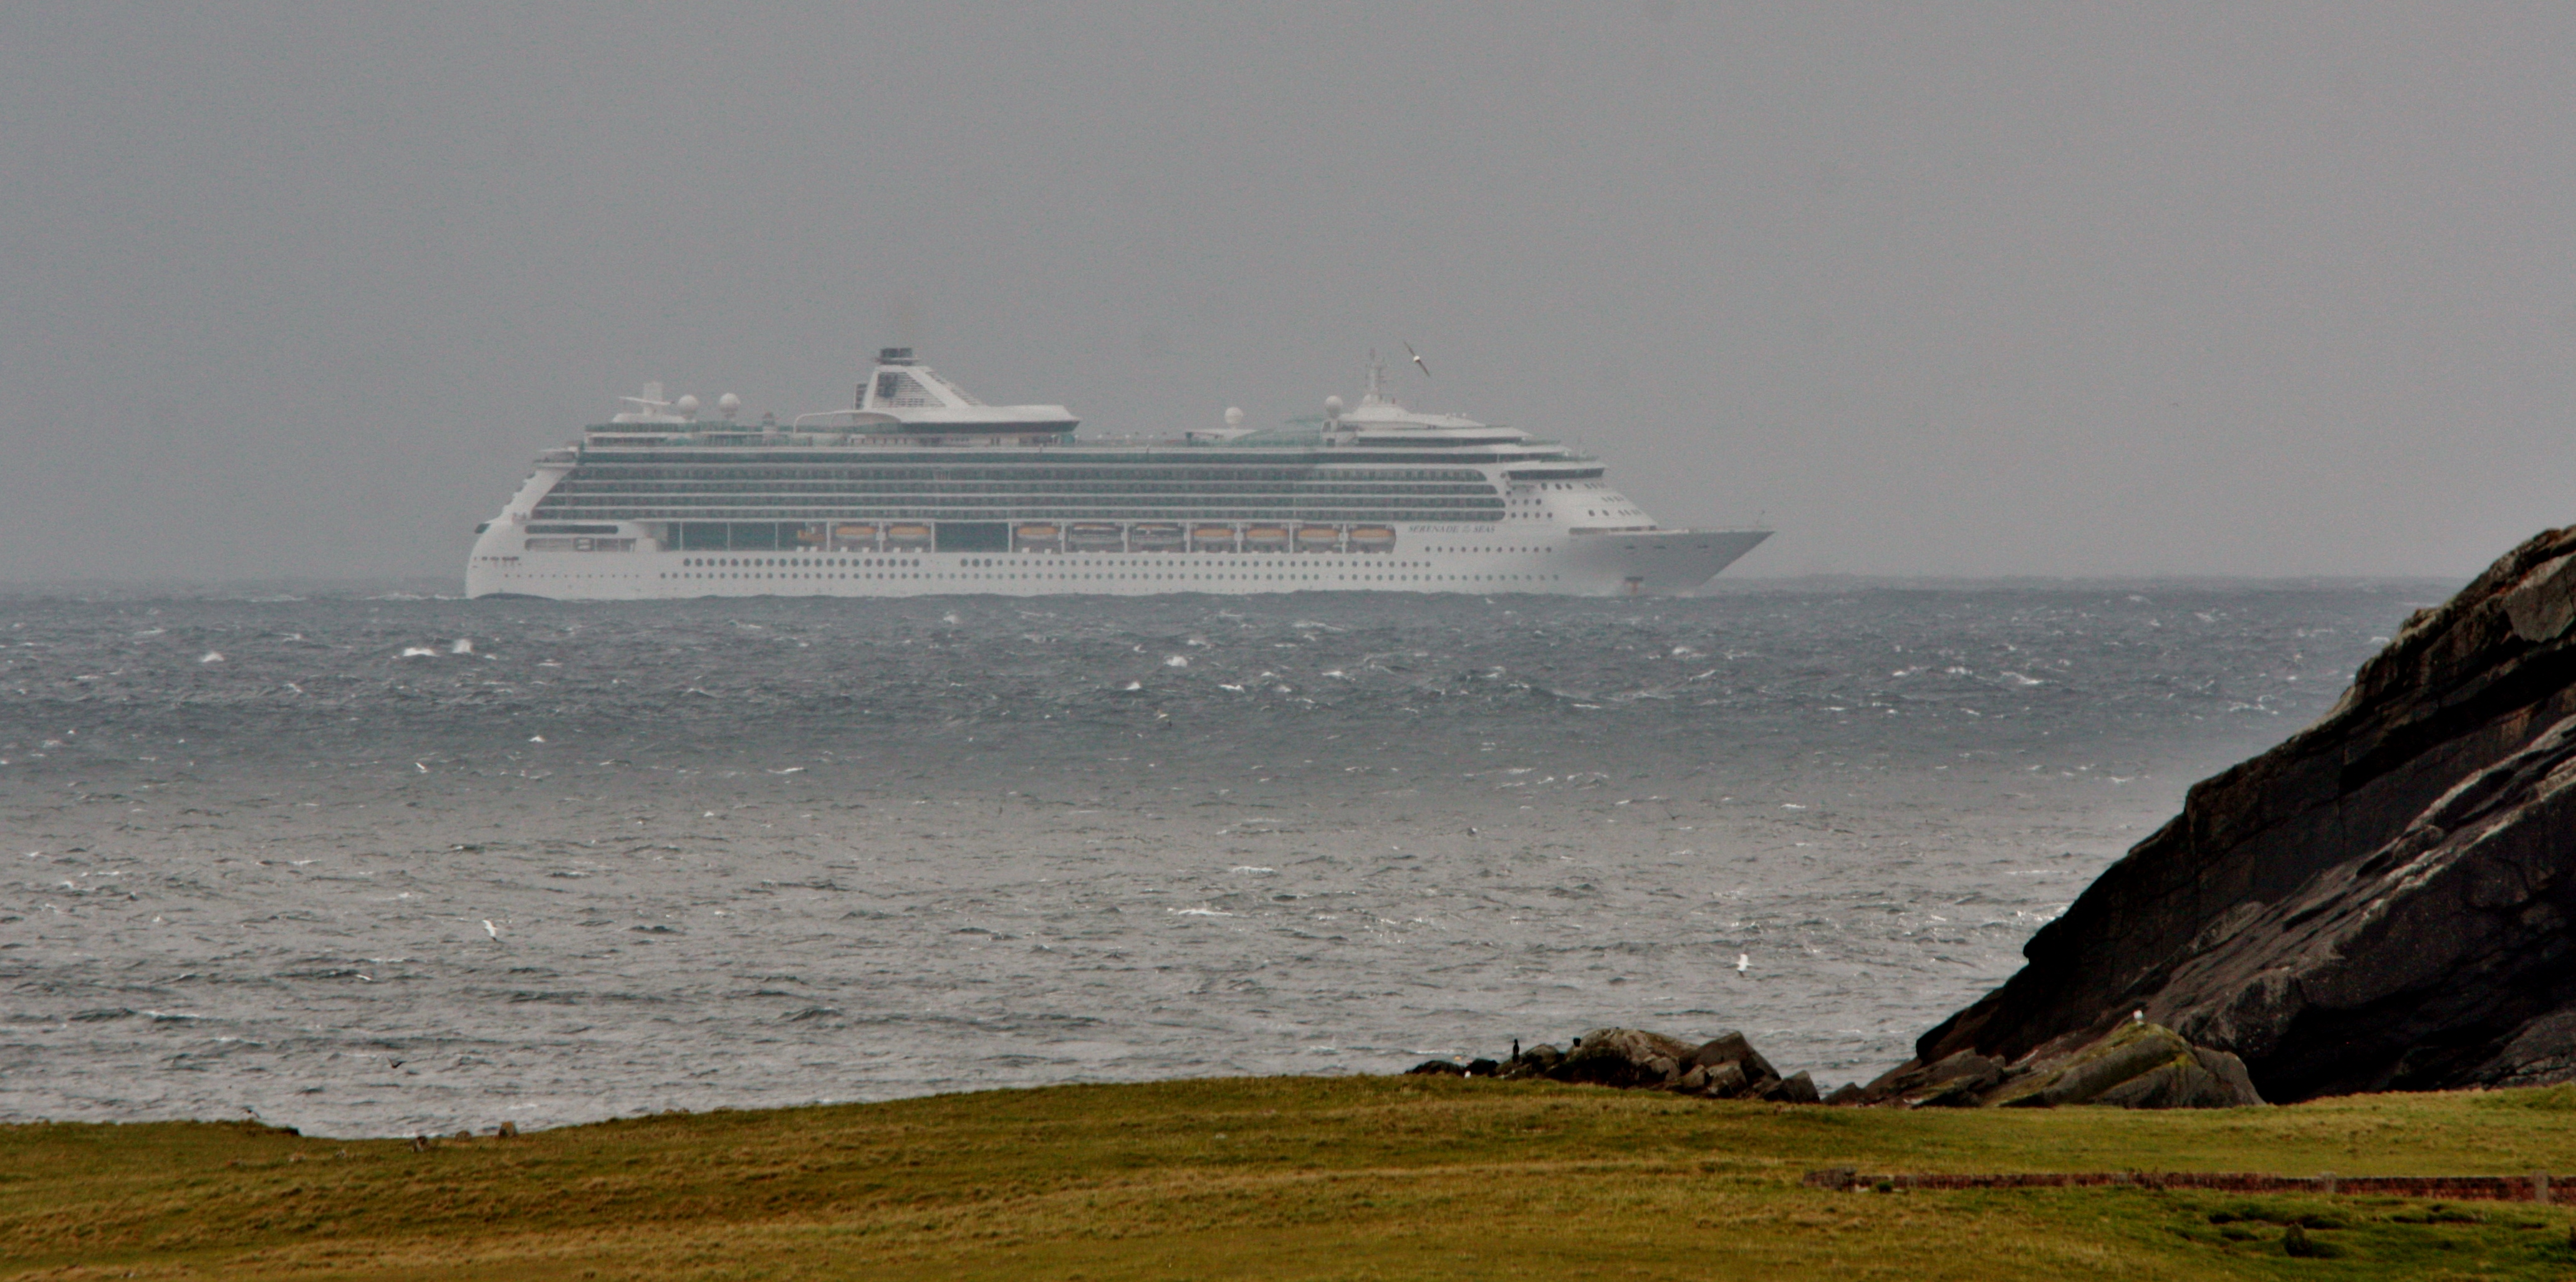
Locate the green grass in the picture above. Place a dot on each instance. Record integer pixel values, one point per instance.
(1288, 1178)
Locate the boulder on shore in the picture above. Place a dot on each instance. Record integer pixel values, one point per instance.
(1723, 1067)
(1452, 1068)
(2384, 901)
(1624, 1057)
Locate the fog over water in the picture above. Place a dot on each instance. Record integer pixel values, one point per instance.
(371, 867)
(1970, 290)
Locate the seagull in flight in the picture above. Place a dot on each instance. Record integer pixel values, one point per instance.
(490, 929)
(1417, 360)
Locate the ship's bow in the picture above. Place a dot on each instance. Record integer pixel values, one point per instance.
(1655, 562)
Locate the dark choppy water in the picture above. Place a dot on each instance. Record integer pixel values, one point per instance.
(377, 866)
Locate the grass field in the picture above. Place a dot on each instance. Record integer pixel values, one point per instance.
(1288, 1178)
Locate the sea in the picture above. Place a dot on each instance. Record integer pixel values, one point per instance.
(383, 864)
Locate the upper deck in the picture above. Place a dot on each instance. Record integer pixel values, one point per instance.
(918, 447)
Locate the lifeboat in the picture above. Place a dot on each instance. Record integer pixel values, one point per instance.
(854, 536)
(1319, 538)
(1095, 536)
(1372, 538)
(1212, 538)
(1265, 538)
(1038, 536)
(908, 538)
(1155, 537)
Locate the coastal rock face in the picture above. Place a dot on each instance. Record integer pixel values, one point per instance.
(2381, 902)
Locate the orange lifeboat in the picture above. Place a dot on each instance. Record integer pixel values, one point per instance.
(1095, 536)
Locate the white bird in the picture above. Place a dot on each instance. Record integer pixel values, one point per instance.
(2137, 1016)
(490, 929)
(1417, 360)
(1743, 962)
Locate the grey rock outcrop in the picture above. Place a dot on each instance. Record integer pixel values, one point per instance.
(1959, 1080)
(2384, 901)
(1724, 1067)
(1625, 1057)
(2135, 1065)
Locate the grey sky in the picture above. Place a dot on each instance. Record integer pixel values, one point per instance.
(1938, 289)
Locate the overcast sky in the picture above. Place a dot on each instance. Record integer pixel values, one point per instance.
(1933, 289)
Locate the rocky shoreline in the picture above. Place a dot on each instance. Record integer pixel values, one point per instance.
(1724, 1067)
(2136, 1065)
(2382, 902)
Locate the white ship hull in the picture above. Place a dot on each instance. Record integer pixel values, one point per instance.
(1622, 564)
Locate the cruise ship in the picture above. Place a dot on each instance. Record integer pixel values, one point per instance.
(920, 489)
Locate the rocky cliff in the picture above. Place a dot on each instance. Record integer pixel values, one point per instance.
(2384, 901)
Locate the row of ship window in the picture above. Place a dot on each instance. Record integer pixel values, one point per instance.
(1325, 516)
(659, 485)
(1067, 575)
(1243, 508)
(986, 562)
(1376, 461)
(746, 562)
(926, 475)
(978, 563)
(1048, 502)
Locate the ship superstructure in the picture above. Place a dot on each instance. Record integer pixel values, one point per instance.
(920, 489)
